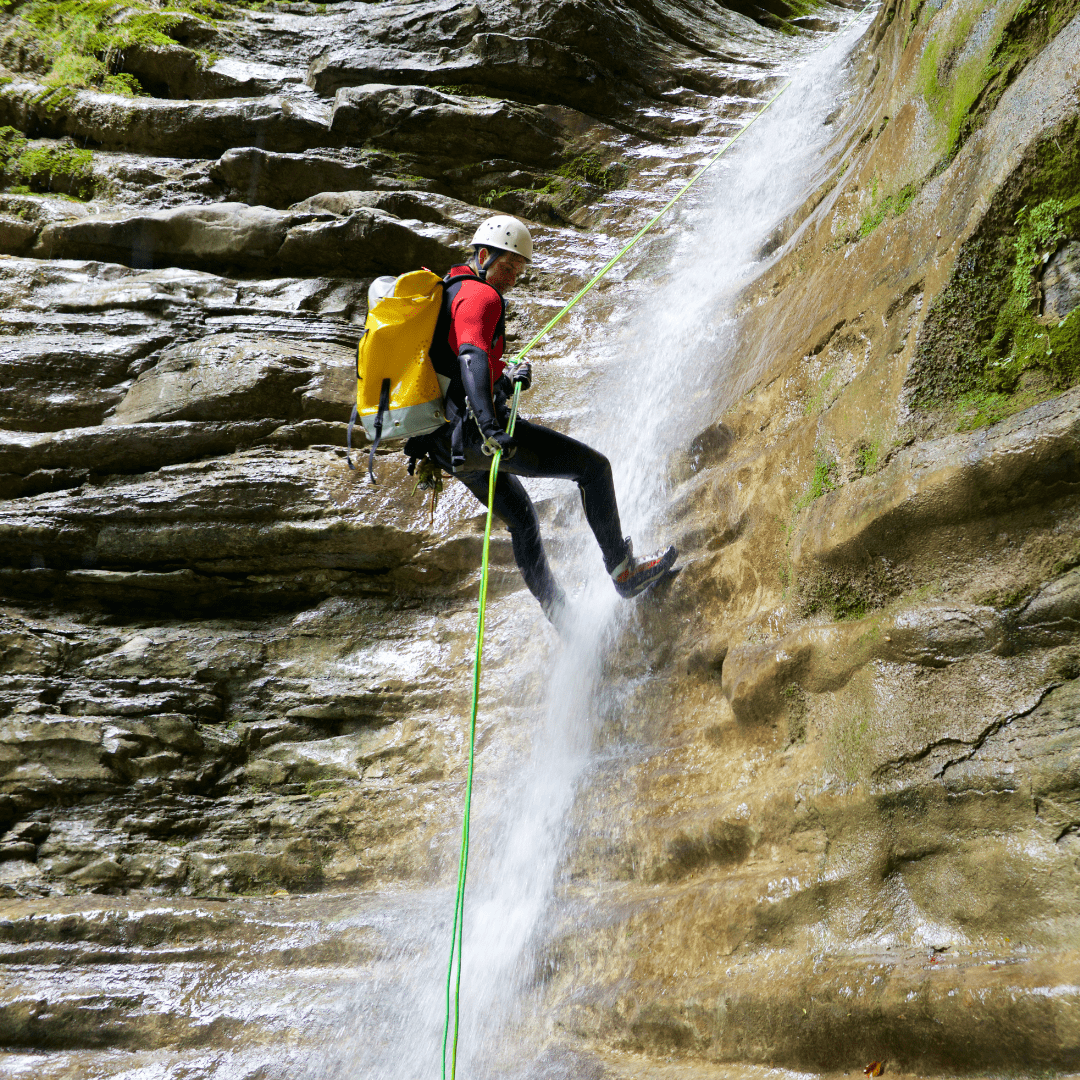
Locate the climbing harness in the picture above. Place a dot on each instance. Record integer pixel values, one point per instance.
(453, 974)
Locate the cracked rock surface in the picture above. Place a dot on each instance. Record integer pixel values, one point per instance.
(832, 813)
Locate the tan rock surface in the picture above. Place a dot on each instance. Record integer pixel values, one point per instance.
(816, 801)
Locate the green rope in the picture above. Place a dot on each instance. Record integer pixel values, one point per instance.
(453, 974)
(457, 934)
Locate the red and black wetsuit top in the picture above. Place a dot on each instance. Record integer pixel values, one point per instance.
(467, 348)
(474, 313)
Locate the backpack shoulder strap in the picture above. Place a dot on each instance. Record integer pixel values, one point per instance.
(441, 357)
(452, 286)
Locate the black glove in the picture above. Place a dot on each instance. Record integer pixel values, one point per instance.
(519, 373)
(500, 440)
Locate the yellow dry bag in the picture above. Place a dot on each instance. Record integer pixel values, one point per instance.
(398, 394)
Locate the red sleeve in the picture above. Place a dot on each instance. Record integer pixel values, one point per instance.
(474, 318)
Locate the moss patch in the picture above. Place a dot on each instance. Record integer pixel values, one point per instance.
(981, 408)
(845, 593)
(882, 207)
(52, 168)
(1005, 599)
(962, 80)
(581, 180)
(984, 346)
(797, 707)
(81, 43)
(951, 84)
(826, 478)
(867, 458)
(891, 206)
(823, 395)
(465, 91)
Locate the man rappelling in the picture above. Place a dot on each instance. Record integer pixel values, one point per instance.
(467, 354)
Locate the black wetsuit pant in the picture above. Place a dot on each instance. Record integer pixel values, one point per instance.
(541, 452)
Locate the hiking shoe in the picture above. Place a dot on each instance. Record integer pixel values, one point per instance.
(633, 576)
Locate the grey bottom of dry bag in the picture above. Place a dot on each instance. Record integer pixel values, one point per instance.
(405, 423)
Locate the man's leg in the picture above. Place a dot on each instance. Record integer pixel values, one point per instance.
(543, 452)
(515, 508)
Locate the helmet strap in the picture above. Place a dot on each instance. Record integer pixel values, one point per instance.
(481, 271)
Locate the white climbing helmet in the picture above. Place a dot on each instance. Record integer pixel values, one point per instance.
(506, 234)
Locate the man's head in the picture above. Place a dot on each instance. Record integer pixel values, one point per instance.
(499, 269)
(503, 247)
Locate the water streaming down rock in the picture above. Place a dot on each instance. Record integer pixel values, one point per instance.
(657, 387)
(672, 369)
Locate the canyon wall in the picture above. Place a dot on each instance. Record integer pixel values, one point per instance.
(835, 816)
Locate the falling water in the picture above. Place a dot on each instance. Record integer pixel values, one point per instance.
(669, 368)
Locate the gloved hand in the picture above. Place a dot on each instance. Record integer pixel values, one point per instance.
(520, 373)
(500, 440)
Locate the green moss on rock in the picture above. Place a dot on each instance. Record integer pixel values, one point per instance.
(579, 181)
(867, 457)
(81, 43)
(53, 168)
(984, 345)
(962, 80)
(846, 592)
(825, 478)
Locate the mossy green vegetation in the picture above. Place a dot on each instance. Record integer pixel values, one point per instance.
(588, 169)
(841, 600)
(967, 65)
(53, 168)
(777, 14)
(464, 91)
(578, 181)
(1004, 599)
(1041, 227)
(967, 62)
(81, 43)
(980, 408)
(881, 209)
(950, 81)
(821, 397)
(867, 457)
(797, 707)
(986, 349)
(845, 593)
(825, 478)
(891, 206)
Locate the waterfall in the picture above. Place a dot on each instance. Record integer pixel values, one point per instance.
(665, 369)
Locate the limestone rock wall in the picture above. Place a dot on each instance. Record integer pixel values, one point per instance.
(854, 836)
(838, 819)
(230, 666)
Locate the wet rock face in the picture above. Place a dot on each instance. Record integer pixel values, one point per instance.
(872, 780)
(1061, 282)
(176, 373)
(839, 817)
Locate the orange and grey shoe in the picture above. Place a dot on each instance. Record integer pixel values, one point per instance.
(633, 576)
